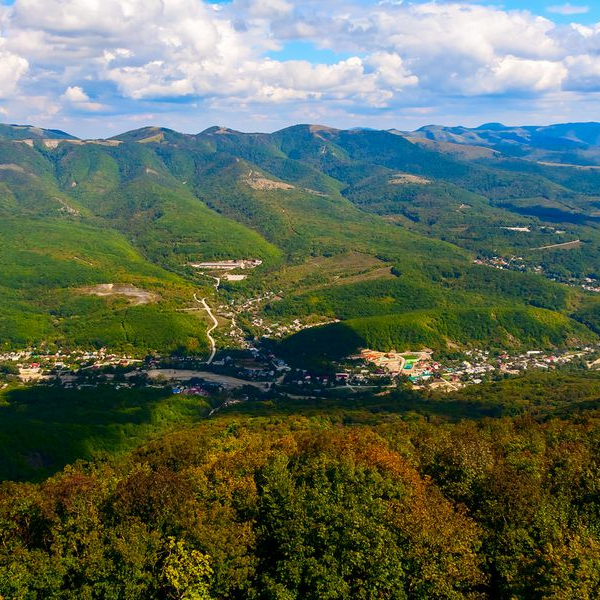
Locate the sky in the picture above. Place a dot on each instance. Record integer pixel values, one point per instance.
(96, 68)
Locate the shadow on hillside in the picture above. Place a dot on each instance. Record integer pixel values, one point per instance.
(366, 407)
(42, 429)
(317, 345)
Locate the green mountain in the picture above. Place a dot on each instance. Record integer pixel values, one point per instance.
(29, 132)
(369, 227)
(400, 494)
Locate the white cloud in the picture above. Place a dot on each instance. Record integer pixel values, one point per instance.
(138, 56)
(584, 73)
(516, 74)
(75, 94)
(77, 97)
(568, 9)
(12, 68)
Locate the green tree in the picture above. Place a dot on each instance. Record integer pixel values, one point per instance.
(187, 572)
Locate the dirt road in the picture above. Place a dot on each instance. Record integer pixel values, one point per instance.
(226, 381)
(209, 331)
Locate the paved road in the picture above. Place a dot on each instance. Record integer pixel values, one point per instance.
(215, 324)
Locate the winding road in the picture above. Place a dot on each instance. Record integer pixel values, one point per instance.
(215, 324)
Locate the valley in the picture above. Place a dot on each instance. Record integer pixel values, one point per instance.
(317, 241)
(229, 341)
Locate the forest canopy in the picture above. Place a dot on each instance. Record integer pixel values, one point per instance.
(346, 506)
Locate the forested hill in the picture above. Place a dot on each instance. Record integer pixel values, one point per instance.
(394, 225)
(344, 505)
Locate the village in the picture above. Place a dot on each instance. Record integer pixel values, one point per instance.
(245, 357)
(471, 368)
(258, 370)
(517, 263)
(250, 308)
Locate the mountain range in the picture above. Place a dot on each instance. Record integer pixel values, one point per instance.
(393, 235)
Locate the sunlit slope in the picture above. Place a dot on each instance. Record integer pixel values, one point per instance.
(131, 189)
(30, 132)
(445, 307)
(156, 187)
(440, 330)
(77, 216)
(48, 268)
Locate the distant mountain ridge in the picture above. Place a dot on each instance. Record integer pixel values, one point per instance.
(24, 132)
(578, 142)
(585, 133)
(507, 139)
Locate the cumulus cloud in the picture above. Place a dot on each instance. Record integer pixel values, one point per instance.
(75, 94)
(12, 68)
(511, 73)
(583, 73)
(76, 97)
(140, 56)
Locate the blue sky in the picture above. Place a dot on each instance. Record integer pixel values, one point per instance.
(99, 67)
(589, 11)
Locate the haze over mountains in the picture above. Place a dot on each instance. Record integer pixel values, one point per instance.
(376, 229)
(577, 142)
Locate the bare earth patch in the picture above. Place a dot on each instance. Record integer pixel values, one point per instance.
(53, 144)
(11, 167)
(322, 132)
(67, 208)
(322, 128)
(406, 178)
(564, 246)
(234, 277)
(570, 166)
(133, 294)
(258, 182)
(315, 193)
(26, 142)
(159, 137)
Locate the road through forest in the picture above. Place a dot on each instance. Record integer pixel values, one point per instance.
(209, 331)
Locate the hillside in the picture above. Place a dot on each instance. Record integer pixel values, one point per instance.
(29, 132)
(577, 142)
(349, 225)
(249, 478)
(347, 503)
